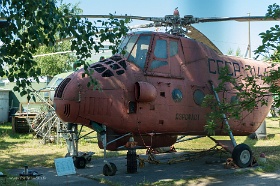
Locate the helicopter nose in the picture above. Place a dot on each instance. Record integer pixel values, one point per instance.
(66, 99)
(75, 102)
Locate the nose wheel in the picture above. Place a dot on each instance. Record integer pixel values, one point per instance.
(109, 169)
(72, 137)
(80, 162)
(242, 155)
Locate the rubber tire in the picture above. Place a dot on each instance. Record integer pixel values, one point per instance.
(242, 155)
(107, 171)
(80, 162)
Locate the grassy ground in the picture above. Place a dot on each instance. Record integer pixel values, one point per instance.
(18, 150)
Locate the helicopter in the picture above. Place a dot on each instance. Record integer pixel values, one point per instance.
(153, 92)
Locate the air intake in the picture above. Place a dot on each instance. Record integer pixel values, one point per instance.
(59, 90)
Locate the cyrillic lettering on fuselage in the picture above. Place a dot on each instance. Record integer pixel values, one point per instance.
(235, 69)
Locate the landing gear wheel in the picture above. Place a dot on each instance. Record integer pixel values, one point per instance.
(242, 155)
(80, 162)
(107, 171)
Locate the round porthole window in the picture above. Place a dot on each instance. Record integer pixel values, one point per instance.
(198, 96)
(234, 100)
(177, 95)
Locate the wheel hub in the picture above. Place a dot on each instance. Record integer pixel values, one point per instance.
(245, 156)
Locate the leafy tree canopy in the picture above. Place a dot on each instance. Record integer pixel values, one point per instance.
(59, 58)
(270, 47)
(55, 59)
(33, 23)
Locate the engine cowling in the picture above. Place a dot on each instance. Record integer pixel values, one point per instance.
(145, 92)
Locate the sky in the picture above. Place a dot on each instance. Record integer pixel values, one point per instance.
(225, 35)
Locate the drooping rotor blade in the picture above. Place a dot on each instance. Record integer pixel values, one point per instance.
(197, 35)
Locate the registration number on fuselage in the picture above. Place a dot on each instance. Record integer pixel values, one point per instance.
(187, 116)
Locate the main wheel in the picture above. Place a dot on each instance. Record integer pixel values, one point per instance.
(107, 171)
(80, 162)
(242, 155)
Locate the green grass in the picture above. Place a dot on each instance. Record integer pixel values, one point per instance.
(18, 150)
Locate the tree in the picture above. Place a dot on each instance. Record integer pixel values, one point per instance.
(270, 48)
(33, 23)
(237, 52)
(270, 39)
(51, 62)
(56, 59)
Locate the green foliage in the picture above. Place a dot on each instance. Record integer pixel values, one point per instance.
(270, 38)
(247, 95)
(270, 49)
(237, 52)
(52, 65)
(34, 23)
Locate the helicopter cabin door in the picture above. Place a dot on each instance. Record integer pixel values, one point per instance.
(166, 57)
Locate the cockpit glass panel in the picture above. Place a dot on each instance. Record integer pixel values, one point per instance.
(161, 49)
(173, 48)
(130, 45)
(139, 52)
(54, 82)
(123, 43)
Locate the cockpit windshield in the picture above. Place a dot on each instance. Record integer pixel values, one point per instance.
(135, 48)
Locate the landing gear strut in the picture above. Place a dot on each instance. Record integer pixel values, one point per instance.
(80, 159)
(241, 154)
(109, 169)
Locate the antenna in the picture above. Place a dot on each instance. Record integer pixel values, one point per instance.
(249, 38)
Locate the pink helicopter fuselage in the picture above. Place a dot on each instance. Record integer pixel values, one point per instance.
(162, 95)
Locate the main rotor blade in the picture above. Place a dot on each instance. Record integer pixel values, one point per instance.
(241, 19)
(156, 19)
(186, 19)
(148, 25)
(197, 35)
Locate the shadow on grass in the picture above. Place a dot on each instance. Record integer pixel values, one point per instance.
(9, 138)
(4, 145)
(7, 131)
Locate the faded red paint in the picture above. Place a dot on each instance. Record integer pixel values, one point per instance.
(189, 70)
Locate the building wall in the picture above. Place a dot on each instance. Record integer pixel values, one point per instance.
(4, 105)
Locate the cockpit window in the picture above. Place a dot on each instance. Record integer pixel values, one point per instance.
(54, 82)
(139, 52)
(123, 43)
(173, 48)
(160, 53)
(161, 49)
(130, 44)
